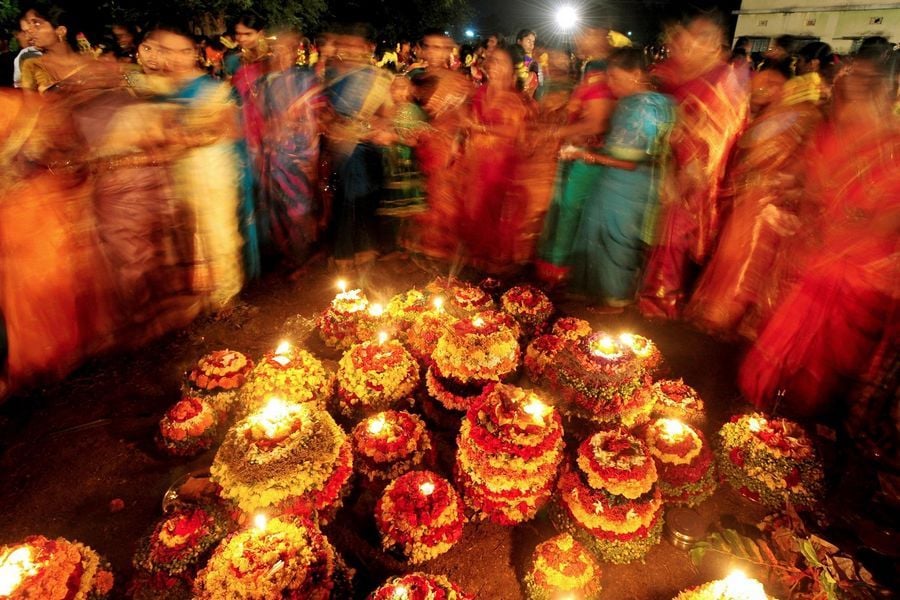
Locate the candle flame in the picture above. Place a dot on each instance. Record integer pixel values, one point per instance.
(438, 303)
(537, 410)
(672, 429)
(283, 348)
(275, 411)
(376, 424)
(737, 585)
(342, 285)
(382, 337)
(260, 521)
(478, 322)
(281, 359)
(401, 593)
(376, 310)
(755, 424)
(627, 339)
(605, 347)
(14, 568)
(427, 488)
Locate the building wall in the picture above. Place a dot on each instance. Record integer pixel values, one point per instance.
(835, 27)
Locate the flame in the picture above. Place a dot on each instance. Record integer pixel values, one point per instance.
(376, 310)
(260, 521)
(283, 348)
(627, 339)
(382, 337)
(401, 593)
(14, 568)
(270, 417)
(438, 303)
(672, 429)
(755, 424)
(478, 322)
(427, 488)
(376, 424)
(342, 285)
(738, 585)
(537, 410)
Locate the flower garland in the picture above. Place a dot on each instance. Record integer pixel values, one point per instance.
(405, 308)
(188, 428)
(610, 501)
(374, 376)
(423, 335)
(56, 569)
(305, 457)
(289, 558)
(509, 448)
(529, 306)
(770, 460)
(180, 540)
(420, 586)
(391, 443)
(683, 460)
(477, 349)
(345, 321)
(217, 377)
(561, 567)
(420, 513)
(571, 328)
(675, 399)
(293, 374)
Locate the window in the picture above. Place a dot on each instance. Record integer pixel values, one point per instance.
(876, 20)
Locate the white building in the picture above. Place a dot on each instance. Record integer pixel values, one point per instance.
(839, 25)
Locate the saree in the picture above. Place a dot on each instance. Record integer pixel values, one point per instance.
(711, 111)
(617, 221)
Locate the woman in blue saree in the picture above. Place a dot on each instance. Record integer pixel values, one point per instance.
(617, 222)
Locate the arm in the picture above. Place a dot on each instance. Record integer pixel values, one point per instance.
(594, 120)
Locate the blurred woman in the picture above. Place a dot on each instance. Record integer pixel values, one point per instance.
(827, 327)
(492, 204)
(618, 220)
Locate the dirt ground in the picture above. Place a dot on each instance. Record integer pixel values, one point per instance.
(70, 449)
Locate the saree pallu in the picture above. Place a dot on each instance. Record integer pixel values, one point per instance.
(618, 219)
(825, 331)
(288, 209)
(734, 294)
(711, 113)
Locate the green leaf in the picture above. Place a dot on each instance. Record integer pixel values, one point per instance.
(697, 553)
(736, 543)
(809, 552)
(828, 585)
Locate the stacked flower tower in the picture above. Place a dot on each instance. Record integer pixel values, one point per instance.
(52, 569)
(472, 354)
(348, 319)
(290, 373)
(188, 428)
(529, 306)
(462, 298)
(420, 586)
(278, 558)
(168, 559)
(509, 449)
(420, 514)
(285, 458)
(675, 399)
(598, 377)
(425, 331)
(218, 378)
(770, 460)
(562, 568)
(405, 308)
(390, 444)
(609, 500)
(375, 376)
(684, 462)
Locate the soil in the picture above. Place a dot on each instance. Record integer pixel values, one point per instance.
(78, 458)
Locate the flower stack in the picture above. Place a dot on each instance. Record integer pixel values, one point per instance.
(420, 586)
(510, 447)
(736, 586)
(217, 378)
(188, 428)
(390, 444)
(529, 306)
(169, 557)
(375, 376)
(423, 335)
(571, 328)
(473, 353)
(52, 570)
(684, 462)
(421, 514)
(463, 299)
(405, 308)
(599, 377)
(285, 458)
(280, 558)
(345, 321)
(771, 461)
(562, 568)
(675, 399)
(609, 500)
(290, 373)
(645, 352)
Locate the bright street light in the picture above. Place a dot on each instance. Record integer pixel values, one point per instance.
(566, 17)
(470, 33)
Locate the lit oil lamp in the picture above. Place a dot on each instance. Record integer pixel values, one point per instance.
(382, 337)
(537, 410)
(342, 285)
(401, 593)
(737, 585)
(755, 425)
(275, 421)
(438, 303)
(260, 522)
(672, 431)
(639, 345)
(283, 354)
(606, 347)
(376, 424)
(376, 310)
(427, 488)
(478, 322)
(15, 567)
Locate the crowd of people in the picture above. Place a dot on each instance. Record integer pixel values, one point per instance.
(146, 181)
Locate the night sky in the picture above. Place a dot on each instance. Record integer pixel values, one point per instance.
(641, 17)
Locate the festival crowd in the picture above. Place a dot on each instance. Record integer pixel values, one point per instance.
(146, 180)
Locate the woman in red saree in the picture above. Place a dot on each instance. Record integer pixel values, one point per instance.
(827, 327)
(491, 201)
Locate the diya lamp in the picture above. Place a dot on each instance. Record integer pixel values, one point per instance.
(639, 345)
(738, 586)
(282, 355)
(15, 568)
(673, 431)
(537, 410)
(438, 303)
(276, 421)
(605, 347)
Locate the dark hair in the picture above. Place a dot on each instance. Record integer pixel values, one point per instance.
(524, 33)
(741, 41)
(57, 16)
(785, 41)
(433, 32)
(815, 51)
(174, 27)
(628, 59)
(360, 30)
(248, 19)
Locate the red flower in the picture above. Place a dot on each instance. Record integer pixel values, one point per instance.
(736, 456)
(793, 478)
